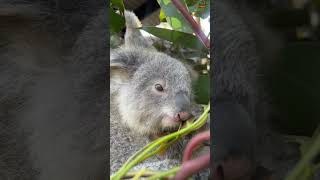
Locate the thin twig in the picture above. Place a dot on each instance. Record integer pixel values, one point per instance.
(194, 25)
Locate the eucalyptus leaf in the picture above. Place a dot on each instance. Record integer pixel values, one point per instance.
(177, 37)
(202, 89)
(191, 2)
(174, 17)
(118, 4)
(162, 16)
(200, 9)
(117, 22)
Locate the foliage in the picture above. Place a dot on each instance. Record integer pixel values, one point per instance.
(173, 17)
(117, 21)
(177, 37)
(117, 4)
(308, 165)
(202, 89)
(200, 8)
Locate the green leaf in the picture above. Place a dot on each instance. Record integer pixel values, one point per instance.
(117, 22)
(191, 2)
(117, 4)
(177, 37)
(202, 89)
(162, 16)
(174, 17)
(200, 9)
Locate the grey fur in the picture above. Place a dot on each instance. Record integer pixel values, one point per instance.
(137, 109)
(244, 46)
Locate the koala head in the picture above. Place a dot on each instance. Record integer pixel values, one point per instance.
(155, 89)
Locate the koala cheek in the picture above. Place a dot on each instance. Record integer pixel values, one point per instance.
(169, 122)
(167, 110)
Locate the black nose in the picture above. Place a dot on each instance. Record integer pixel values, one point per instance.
(182, 102)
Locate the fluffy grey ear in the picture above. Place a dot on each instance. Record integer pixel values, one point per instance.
(133, 36)
(118, 68)
(123, 64)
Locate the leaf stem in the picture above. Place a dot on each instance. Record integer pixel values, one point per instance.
(164, 174)
(306, 159)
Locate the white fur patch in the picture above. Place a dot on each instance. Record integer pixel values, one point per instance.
(167, 110)
(169, 120)
(129, 114)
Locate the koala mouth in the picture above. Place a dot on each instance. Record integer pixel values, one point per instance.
(168, 130)
(163, 132)
(170, 125)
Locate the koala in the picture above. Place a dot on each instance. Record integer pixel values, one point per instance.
(151, 96)
(53, 104)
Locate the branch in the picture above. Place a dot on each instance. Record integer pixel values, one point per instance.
(194, 25)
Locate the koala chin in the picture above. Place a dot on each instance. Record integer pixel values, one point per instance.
(154, 90)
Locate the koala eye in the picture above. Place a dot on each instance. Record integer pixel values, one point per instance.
(158, 87)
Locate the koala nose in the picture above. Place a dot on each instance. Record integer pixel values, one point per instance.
(182, 116)
(182, 107)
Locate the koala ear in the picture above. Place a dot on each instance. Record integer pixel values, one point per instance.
(133, 36)
(118, 69)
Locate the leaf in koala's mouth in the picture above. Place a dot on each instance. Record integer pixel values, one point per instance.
(167, 131)
(163, 133)
(188, 122)
(183, 124)
(170, 130)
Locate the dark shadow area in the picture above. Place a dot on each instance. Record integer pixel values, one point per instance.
(53, 90)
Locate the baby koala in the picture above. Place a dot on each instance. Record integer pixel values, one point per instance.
(150, 96)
